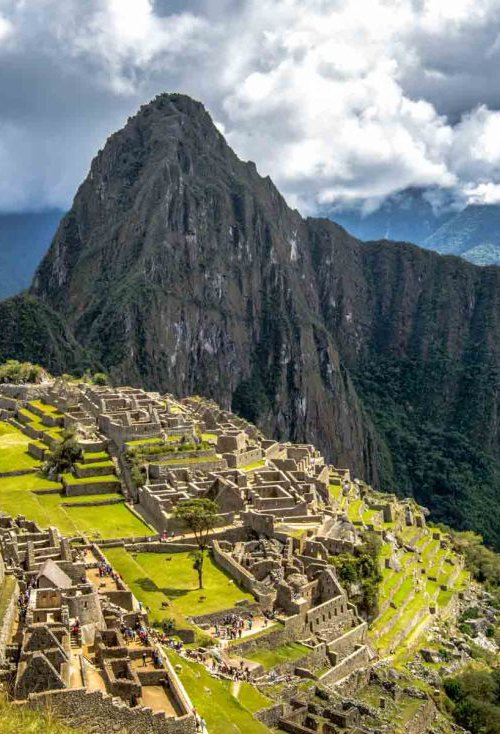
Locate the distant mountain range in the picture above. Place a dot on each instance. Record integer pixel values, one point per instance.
(24, 240)
(473, 233)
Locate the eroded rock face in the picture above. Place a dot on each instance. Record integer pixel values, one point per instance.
(181, 269)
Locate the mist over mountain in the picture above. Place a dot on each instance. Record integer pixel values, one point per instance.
(473, 232)
(179, 268)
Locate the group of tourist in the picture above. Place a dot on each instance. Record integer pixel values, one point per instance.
(23, 599)
(106, 570)
(147, 636)
(232, 626)
(217, 666)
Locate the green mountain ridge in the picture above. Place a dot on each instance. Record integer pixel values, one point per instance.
(179, 268)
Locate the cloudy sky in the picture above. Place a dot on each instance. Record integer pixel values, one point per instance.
(342, 102)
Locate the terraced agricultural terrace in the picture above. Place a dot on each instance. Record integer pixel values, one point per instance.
(102, 607)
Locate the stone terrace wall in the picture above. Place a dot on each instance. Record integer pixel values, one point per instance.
(240, 574)
(352, 662)
(346, 642)
(8, 619)
(422, 719)
(97, 713)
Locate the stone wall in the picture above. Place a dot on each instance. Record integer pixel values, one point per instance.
(270, 717)
(85, 488)
(259, 523)
(352, 662)
(422, 719)
(11, 588)
(346, 642)
(97, 713)
(241, 575)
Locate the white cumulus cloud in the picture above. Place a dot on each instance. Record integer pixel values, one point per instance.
(340, 101)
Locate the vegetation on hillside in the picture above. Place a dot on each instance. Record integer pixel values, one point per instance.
(20, 720)
(483, 563)
(476, 700)
(440, 458)
(15, 372)
(360, 573)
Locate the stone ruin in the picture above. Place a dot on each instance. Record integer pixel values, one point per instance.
(67, 648)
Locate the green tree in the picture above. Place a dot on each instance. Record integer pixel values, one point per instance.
(65, 454)
(200, 516)
(100, 378)
(19, 372)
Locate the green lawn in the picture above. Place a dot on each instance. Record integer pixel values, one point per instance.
(250, 697)
(154, 579)
(46, 408)
(70, 479)
(254, 465)
(288, 652)
(109, 521)
(14, 449)
(215, 702)
(93, 497)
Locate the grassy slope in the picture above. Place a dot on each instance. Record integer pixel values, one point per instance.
(213, 699)
(16, 720)
(109, 521)
(283, 654)
(154, 580)
(13, 449)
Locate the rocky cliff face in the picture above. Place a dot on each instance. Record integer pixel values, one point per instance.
(182, 269)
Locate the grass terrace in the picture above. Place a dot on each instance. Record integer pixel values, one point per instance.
(108, 478)
(145, 441)
(14, 450)
(96, 456)
(189, 460)
(107, 521)
(158, 577)
(286, 653)
(46, 408)
(254, 465)
(87, 498)
(226, 707)
(41, 500)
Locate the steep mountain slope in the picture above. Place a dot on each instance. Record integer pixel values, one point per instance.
(180, 268)
(32, 331)
(24, 240)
